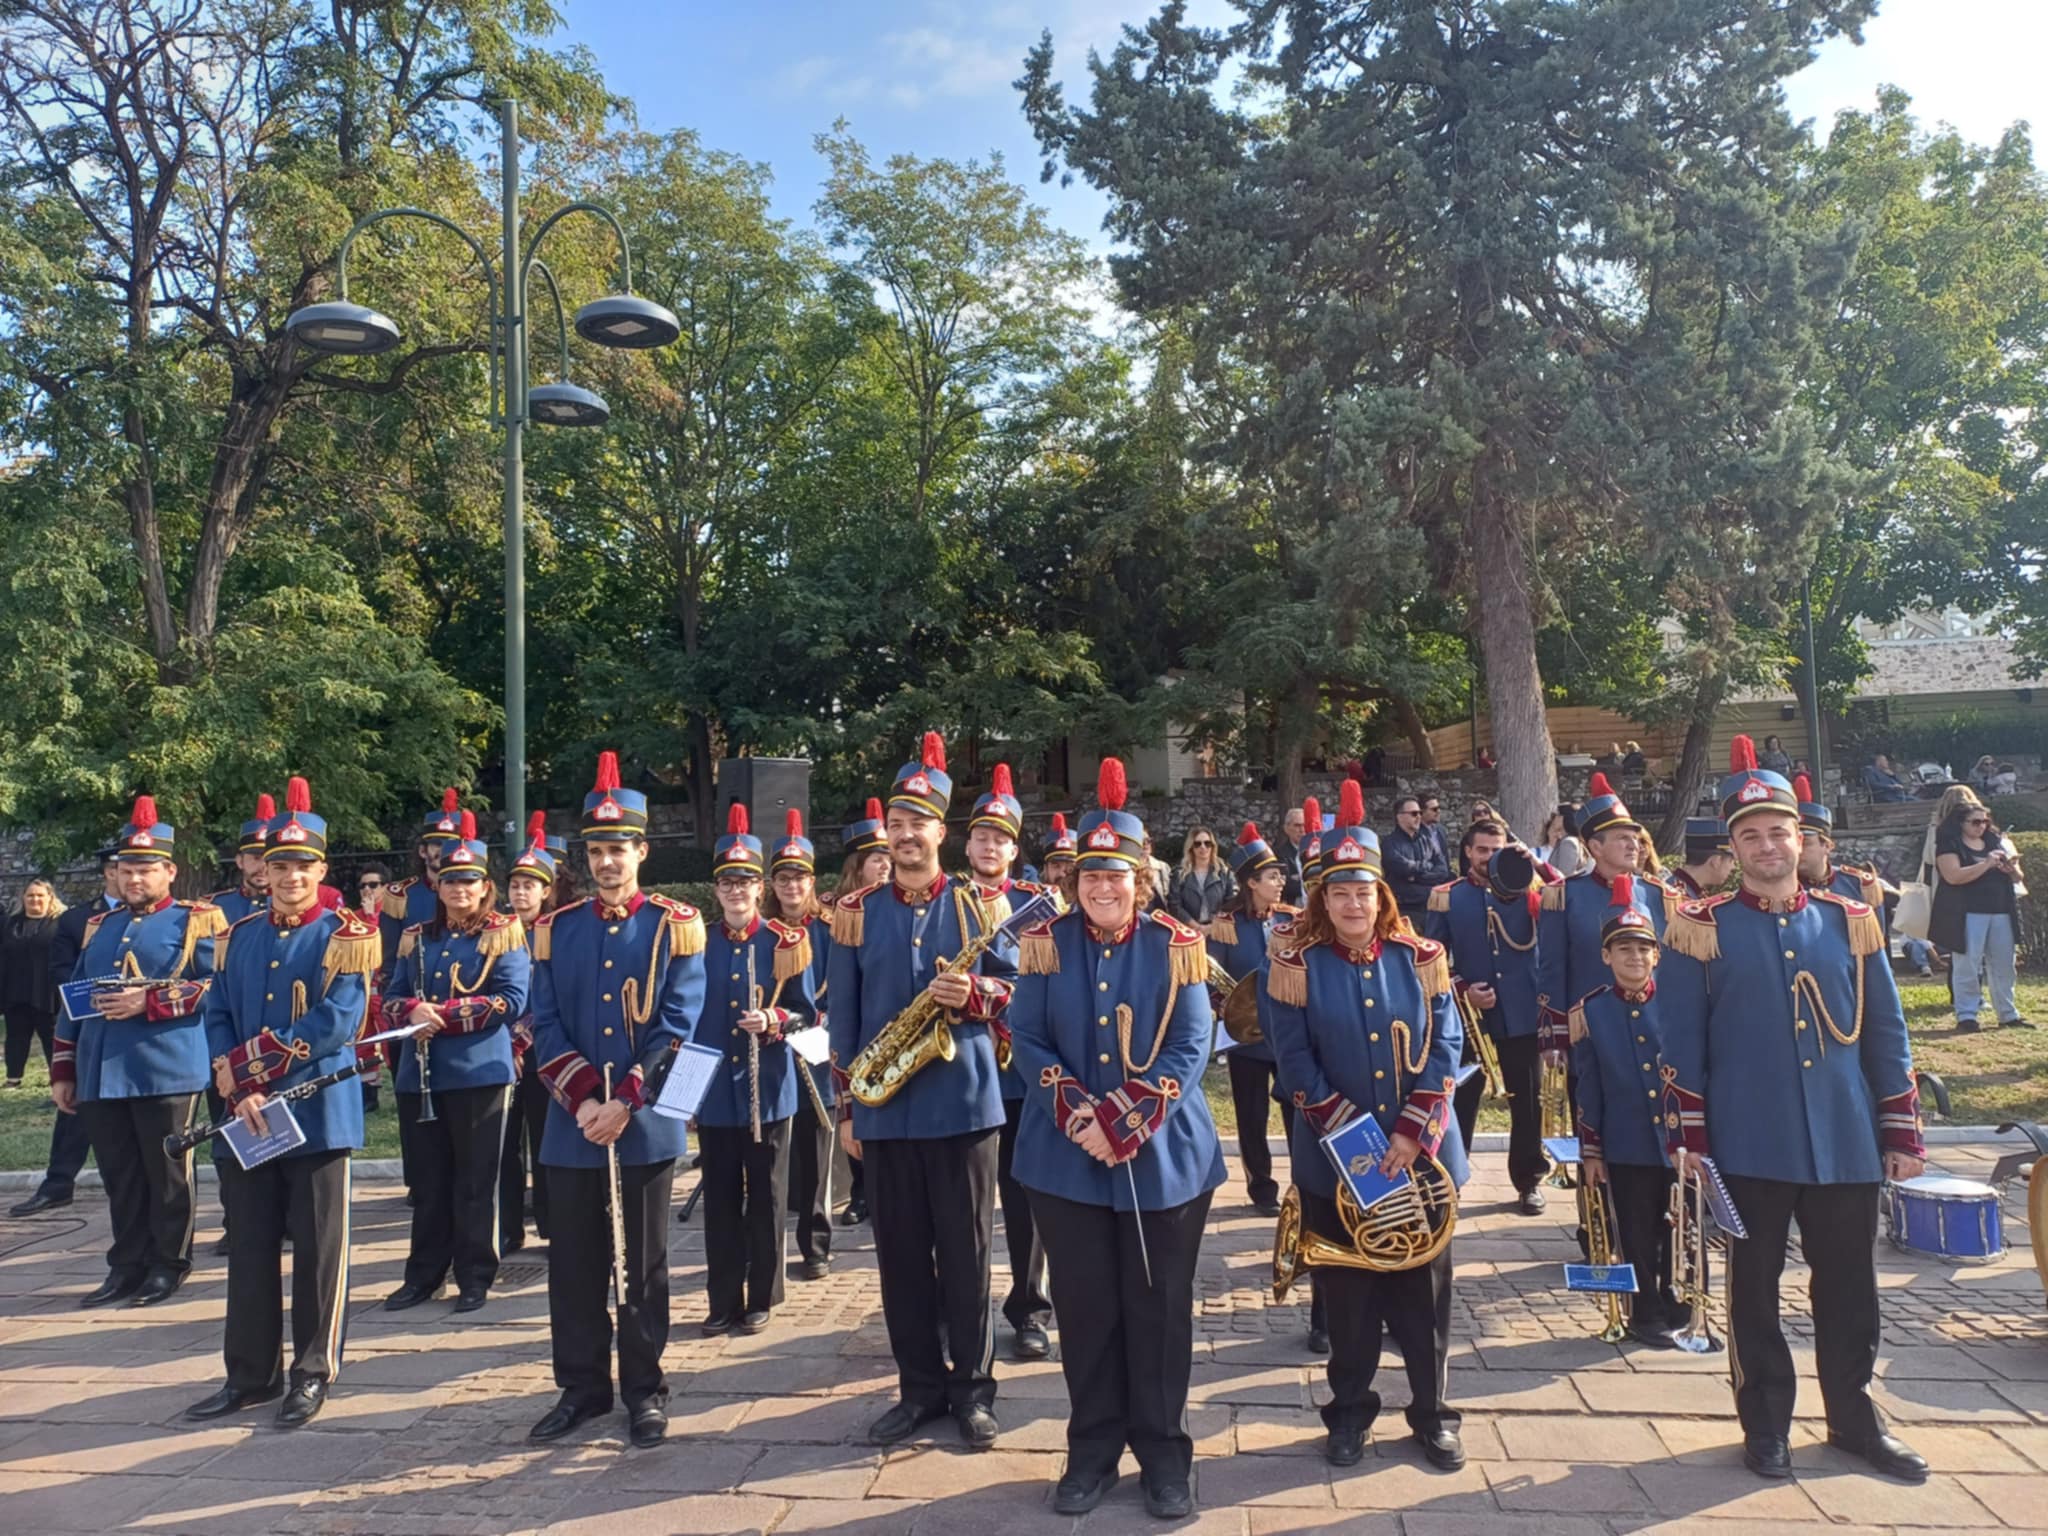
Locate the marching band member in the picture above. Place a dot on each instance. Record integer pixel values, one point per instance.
(464, 979)
(992, 832)
(1568, 963)
(1615, 1045)
(1112, 1027)
(813, 1142)
(618, 983)
(931, 1149)
(1817, 866)
(1492, 943)
(1058, 864)
(134, 1071)
(530, 890)
(743, 1122)
(249, 890)
(867, 865)
(412, 900)
(1238, 938)
(1787, 1062)
(1362, 1020)
(291, 992)
(1709, 861)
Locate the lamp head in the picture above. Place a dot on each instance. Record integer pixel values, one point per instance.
(342, 327)
(566, 405)
(627, 321)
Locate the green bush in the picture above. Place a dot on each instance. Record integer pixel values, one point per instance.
(698, 895)
(2033, 849)
(1957, 739)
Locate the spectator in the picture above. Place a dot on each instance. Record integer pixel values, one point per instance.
(1557, 847)
(1162, 878)
(370, 885)
(1433, 824)
(1413, 856)
(1886, 788)
(1202, 884)
(2006, 781)
(1481, 811)
(1486, 760)
(1287, 848)
(1375, 765)
(1976, 912)
(1774, 758)
(28, 993)
(1632, 760)
(1981, 773)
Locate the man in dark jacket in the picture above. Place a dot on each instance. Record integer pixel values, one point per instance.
(68, 1143)
(1414, 856)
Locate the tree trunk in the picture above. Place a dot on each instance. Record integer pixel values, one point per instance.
(1507, 651)
(1410, 720)
(1692, 768)
(241, 460)
(701, 780)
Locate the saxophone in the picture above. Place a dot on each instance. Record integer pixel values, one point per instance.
(916, 1037)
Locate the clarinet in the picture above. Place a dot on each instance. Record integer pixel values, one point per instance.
(426, 1063)
(178, 1143)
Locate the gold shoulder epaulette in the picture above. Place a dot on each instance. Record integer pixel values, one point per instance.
(1286, 974)
(1576, 1021)
(848, 916)
(394, 899)
(1187, 955)
(1691, 930)
(203, 920)
(1866, 930)
(92, 925)
(503, 932)
(353, 949)
(409, 940)
(685, 925)
(1440, 896)
(1553, 894)
(1432, 965)
(1038, 950)
(1223, 928)
(540, 943)
(792, 948)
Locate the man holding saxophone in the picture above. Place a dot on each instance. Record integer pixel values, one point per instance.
(928, 1133)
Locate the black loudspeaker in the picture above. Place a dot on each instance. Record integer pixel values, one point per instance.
(767, 787)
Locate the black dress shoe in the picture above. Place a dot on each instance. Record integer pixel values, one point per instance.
(978, 1427)
(1533, 1202)
(410, 1295)
(112, 1289)
(472, 1298)
(717, 1323)
(233, 1400)
(1318, 1341)
(815, 1269)
(303, 1403)
(1266, 1202)
(39, 1202)
(1767, 1455)
(160, 1286)
(753, 1322)
(510, 1245)
(855, 1213)
(650, 1422)
(1345, 1447)
(900, 1423)
(1169, 1501)
(1885, 1453)
(1651, 1338)
(1032, 1344)
(1441, 1448)
(1078, 1495)
(568, 1412)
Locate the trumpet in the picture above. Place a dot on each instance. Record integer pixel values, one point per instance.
(1598, 1217)
(1689, 1242)
(1483, 1047)
(1554, 1118)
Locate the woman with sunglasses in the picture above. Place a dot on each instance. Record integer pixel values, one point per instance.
(1202, 886)
(1976, 912)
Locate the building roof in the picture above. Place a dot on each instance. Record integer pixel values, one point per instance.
(1906, 668)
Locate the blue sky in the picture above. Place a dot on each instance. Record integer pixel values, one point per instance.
(932, 77)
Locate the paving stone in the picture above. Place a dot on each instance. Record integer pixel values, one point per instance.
(933, 1474)
(831, 1420)
(1306, 1522)
(1709, 1491)
(2030, 1441)
(308, 1457)
(850, 1517)
(1853, 1493)
(39, 1501)
(1577, 1437)
(813, 1472)
(654, 1514)
(1960, 1402)
(1427, 1523)
(1410, 1486)
(1563, 1487)
(1130, 1519)
(120, 1448)
(1250, 1480)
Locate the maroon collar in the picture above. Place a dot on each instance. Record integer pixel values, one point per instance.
(1097, 936)
(1473, 878)
(1649, 991)
(153, 908)
(611, 914)
(923, 898)
(1757, 903)
(753, 928)
(295, 919)
(1352, 956)
(985, 891)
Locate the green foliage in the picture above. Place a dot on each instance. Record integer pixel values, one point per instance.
(1957, 739)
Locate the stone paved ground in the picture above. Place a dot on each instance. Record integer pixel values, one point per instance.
(426, 1434)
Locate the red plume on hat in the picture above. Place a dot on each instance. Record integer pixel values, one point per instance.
(1312, 813)
(450, 799)
(144, 815)
(469, 826)
(298, 796)
(934, 755)
(999, 782)
(1350, 804)
(1598, 785)
(1059, 825)
(1802, 787)
(1249, 835)
(1111, 788)
(874, 811)
(1624, 895)
(793, 823)
(607, 773)
(266, 808)
(735, 820)
(1742, 755)
(537, 827)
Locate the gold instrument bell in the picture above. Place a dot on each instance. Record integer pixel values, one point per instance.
(1241, 1012)
(1404, 1231)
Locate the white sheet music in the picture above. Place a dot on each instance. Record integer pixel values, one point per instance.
(814, 1044)
(688, 1081)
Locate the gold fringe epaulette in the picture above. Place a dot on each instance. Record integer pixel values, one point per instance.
(1576, 1022)
(1038, 951)
(1287, 977)
(1674, 898)
(409, 941)
(1866, 929)
(1223, 928)
(1440, 896)
(1282, 935)
(1553, 895)
(849, 917)
(792, 949)
(502, 933)
(92, 926)
(1432, 965)
(354, 950)
(203, 920)
(685, 925)
(540, 942)
(1187, 956)
(394, 899)
(220, 945)
(995, 906)
(1692, 931)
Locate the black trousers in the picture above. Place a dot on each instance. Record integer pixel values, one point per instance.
(812, 1143)
(746, 1186)
(307, 1197)
(149, 1195)
(1027, 1302)
(70, 1145)
(1520, 1071)
(1414, 1305)
(1125, 1345)
(25, 1027)
(933, 1207)
(580, 1283)
(1837, 1226)
(1640, 1198)
(1251, 1095)
(455, 1184)
(525, 1122)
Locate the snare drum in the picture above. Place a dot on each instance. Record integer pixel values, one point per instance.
(1947, 1217)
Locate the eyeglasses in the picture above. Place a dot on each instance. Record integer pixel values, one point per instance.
(1203, 842)
(1977, 821)
(373, 885)
(1432, 806)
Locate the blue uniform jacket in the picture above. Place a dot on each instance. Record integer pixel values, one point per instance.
(480, 982)
(1373, 1031)
(782, 970)
(289, 997)
(1784, 1042)
(236, 904)
(621, 987)
(408, 903)
(1568, 963)
(1492, 943)
(1615, 1059)
(164, 1051)
(1001, 961)
(885, 951)
(1082, 1000)
(820, 930)
(1237, 942)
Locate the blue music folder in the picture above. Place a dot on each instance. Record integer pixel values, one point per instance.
(1600, 1277)
(78, 996)
(1720, 1204)
(283, 1133)
(689, 1078)
(1356, 1151)
(1562, 1149)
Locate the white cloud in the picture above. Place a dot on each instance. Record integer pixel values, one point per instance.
(821, 77)
(937, 62)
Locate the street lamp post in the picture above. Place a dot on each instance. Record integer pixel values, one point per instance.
(621, 320)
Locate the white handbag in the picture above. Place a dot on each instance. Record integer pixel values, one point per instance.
(1915, 911)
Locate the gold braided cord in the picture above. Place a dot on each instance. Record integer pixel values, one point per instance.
(1806, 988)
(1125, 1019)
(1403, 1038)
(637, 1006)
(299, 1003)
(456, 988)
(1497, 931)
